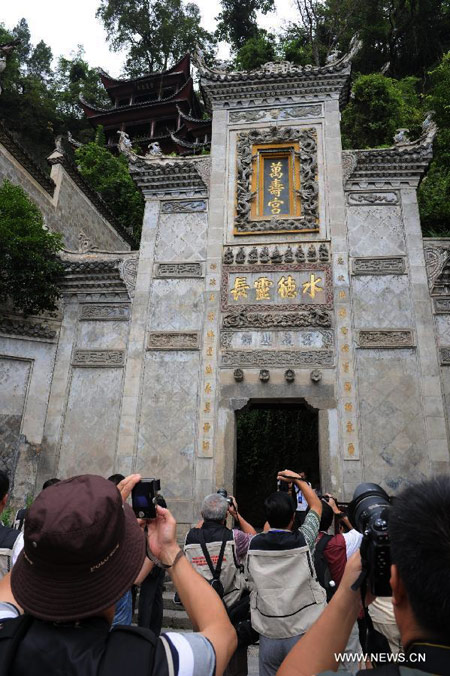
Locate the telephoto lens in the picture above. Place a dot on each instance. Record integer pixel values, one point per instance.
(369, 513)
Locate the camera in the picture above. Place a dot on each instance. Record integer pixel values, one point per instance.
(224, 493)
(143, 498)
(368, 513)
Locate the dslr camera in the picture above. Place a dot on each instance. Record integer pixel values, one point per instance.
(224, 493)
(369, 513)
(143, 498)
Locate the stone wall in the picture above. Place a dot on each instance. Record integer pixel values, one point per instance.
(66, 208)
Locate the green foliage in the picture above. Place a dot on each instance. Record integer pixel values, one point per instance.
(237, 22)
(156, 33)
(109, 176)
(256, 52)
(379, 106)
(29, 267)
(6, 517)
(268, 440)
(434, 192)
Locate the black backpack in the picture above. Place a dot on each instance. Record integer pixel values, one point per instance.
(129, 649)
(321, 565)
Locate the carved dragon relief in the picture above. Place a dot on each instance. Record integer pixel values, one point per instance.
(309, 191)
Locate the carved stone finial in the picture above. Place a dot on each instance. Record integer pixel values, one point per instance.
(316, 376)
(288, 255)
(264, 255)
(253, 255)
(300, 254)
(289, 376)
(238, 375)
(228, 257)
(401, 136)
(276, 256)
(240, 256)
(333, 56)
(124, 146)
(154, 150)
(264, 375)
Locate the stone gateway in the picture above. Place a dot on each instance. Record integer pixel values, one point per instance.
(277, 270)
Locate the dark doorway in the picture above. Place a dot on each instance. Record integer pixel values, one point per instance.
(272, 437)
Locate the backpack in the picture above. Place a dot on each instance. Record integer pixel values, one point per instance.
(129, 649)
(215, 582)
(322, 570)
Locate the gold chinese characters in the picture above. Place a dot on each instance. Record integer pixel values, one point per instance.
(276, 187)
(266, 289)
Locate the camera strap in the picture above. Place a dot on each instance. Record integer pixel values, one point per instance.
(215, 572)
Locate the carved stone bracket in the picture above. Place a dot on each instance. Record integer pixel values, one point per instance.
(309, 191)
(128, 272)
(168, 178)
(99, 358)
(105, 312)
(183, 207)
(170, 270)
(276, 358)
(444, 354)
(372, 198)
(386, 338)
(436, 259)
(173, 340)
(379, 265)
(275, 114)
(277, 320)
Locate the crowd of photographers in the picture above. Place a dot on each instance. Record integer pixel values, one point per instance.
(320, 591)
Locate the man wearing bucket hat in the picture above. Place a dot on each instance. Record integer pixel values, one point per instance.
(83, 548)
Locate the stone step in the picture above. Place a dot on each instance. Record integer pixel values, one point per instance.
(168, 603)
(176, 619)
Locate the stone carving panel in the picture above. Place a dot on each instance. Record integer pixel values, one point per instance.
(375, 231)
(166, 340)
(252, 255)
(371, 198)
(274, 114)
(14, 375)
(444, 353)
(442, 305)
(91, 422)
(99, 358)
(391, 417)
(298, 340)
(105, 312)
(276, 358)
(281, 320)
(443, 329)
(383, 302)
(389, 338)
(181, 237)
(437, 259)
(183, 206)
(387, 265)
(168, 420)
(177, 305)
(164, 270)
(271, 288)
(309, 191)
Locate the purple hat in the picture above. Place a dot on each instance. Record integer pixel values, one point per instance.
(83, 550)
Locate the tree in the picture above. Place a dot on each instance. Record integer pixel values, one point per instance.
(109, 176)
(30, 269)
(256, 51)
(237, 22)
(434, 191)
(157, 33)
(379, 106)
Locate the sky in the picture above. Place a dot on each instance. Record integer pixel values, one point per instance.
(63, 25)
